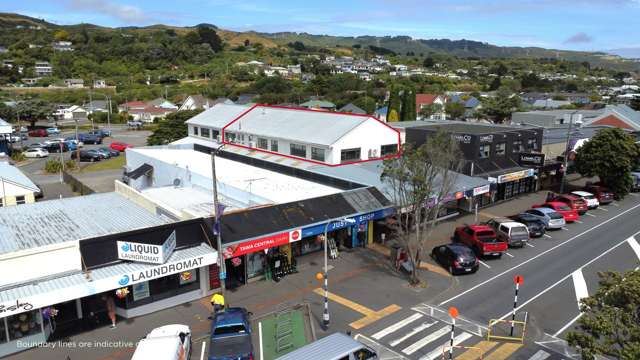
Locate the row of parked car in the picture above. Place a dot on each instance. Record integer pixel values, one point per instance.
(494, 237)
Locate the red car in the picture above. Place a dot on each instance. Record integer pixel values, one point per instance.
(575, 202)
(569, 214)
(604, 195)
(481, 238)
(38, 133)
(120, 146)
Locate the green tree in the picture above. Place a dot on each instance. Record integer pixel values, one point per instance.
(610, 324)
(495, 84)
(610, 155)
(209, 36)
(393, 116)
(454, 110)
(366, 103)
(171, 128)
(428, 62)
(408, 112)
(33, 110)
(61, 35)
(429, 110)
(395, 101)
(500, 107)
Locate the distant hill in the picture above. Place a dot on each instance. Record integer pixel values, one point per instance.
(398, 44)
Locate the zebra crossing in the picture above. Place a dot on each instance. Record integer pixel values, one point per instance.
(424, 335)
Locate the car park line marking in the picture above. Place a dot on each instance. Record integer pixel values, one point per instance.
(509, 255)
(580, 285)
(603, 209)
(615, 204)
(547, 236)
(415, 330)
(540, 355)
(204, 345)
(437, 352)
(529, 245)
(395, 327)
(589, 214)
(564, 278)
(426, 340)
(537, 256)
(564, 228)
(562, 329)
(259, 337)
(483, 263)
(635, 246)
(579, 222)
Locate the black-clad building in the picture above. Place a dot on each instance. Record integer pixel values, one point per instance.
(496, 152)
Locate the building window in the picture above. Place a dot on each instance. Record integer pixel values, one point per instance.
(317, 154)
(501, 149)
(532, 144)
(204, 132)
(350, 155)
(230, 137)
(517, 147)
(263, 143)
(388, 149)
(20, 200)
(274, 145)
(485, 150)
(195, 130)
(2, 202)
(298, 150)
(214, 134)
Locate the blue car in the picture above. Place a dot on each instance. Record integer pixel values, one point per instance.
(231, 335)
(53, 131)
(71, 145)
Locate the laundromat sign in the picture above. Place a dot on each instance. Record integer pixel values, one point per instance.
(148, 253)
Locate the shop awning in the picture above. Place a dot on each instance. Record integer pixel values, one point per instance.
(51, 291)
(143, 169)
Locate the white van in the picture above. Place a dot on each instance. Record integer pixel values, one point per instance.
(336, 346)
(169, 342)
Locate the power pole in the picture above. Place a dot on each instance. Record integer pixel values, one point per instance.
(218, 223)
(566, 153)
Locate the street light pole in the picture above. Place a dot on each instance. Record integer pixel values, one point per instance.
(566, 152)
(222, 266)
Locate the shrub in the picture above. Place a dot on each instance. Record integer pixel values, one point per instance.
(70, 165)
(18, 156)
(53, 166)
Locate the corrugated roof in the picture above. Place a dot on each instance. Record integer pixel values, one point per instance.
(335, 345)
(13, 174)
(218, 116)
(55, 221)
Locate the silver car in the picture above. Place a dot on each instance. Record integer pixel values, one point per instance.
(550, 218)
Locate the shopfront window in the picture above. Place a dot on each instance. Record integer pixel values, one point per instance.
(195, 130)
(388, 149)
(298, 150)
(350, 155)
(255, 264)
(274, 145)
(263, 143)
(3, 331)
(162, 288)
(532, 144)
(204, 132)
(317, 154)
(485, 150)
(501, 149)
(24, 324)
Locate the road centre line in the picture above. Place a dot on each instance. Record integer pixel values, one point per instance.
(580, 285)
(537, 256)
(566, 277)
(635, 246)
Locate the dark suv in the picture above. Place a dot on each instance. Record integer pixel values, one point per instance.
(457, 258)
(536, 226)
(87, 155)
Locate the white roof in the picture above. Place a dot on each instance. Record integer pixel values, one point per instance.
(233, 175)
(169, 330)
(12, 174)
(582, 193)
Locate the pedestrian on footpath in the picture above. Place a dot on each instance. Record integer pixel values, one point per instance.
(217, 301)
(111, 310)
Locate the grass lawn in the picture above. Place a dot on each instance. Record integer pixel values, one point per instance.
(109, 164)
(269, 335)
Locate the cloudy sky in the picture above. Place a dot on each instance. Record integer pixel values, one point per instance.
(563, 24)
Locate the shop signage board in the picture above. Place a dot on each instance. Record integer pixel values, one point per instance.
(262, 243)
(515, 176)
(335, 225)
(79, 289)
(148, 253)
(481, 190)
(531, 159)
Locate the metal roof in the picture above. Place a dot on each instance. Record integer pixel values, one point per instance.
(85, 280)
(55, 221)
(333, 346)
(218, 116)
(12, 174)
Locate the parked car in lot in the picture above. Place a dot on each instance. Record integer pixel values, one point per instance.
(36, 153)
(604, 195)
(575, 202)
(111, 152)
(38, 133)
(120, 146)
(105, 154)
(481, 238)
(54, 141)
(457, 258)
(589, 198)
(36, 146)
(551, 219)
(72, 139)
(169, 342)
(535, 226)
(57, 147)
(103, 133)
(53, 131)
(87, 155)
(71, 145)
(514, 233)
(90, 138)
(561, 208)
(635, 177)
(231, 335)
(134, 124)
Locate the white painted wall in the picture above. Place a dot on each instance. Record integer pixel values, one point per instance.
(9, 189)
(370, 135)
(40, 262)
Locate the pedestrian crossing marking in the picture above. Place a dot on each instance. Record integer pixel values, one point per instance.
(480, 348)
(540, 355)
(426, 340)
(416, 330)
(370, 316)
(437, 353)
(395, 327)
(504, 351)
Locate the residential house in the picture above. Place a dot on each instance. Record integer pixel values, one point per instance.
(15, 187)
(74, 83)
(63, 46)
(43, 68)
(619, 116)
(132, 105)
(5, 131)
(7, 63)
(96, 106)
(162, 103)
(30, 81)
(3, 50)
(319, 105)
(550, 104)
(353, 109)
(317, 136)
(471, 104)
(199, 102)
(381, 113)
(75, 113)
(244, 99)
(149, 114)
(424, 100)
(99, 84)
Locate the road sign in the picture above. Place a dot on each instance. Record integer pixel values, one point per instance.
(223, 275)
(518, 279)
(453, 311)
